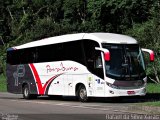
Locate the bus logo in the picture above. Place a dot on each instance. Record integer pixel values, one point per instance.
(20, 72)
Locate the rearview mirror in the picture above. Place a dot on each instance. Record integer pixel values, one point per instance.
(151, 53)
(106, 53)
(107, 56)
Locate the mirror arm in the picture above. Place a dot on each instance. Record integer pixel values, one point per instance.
(102, 49)
(150, 52)
(106, 53)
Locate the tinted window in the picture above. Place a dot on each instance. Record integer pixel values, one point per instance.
(93, 57)
(22, 56)
(63, 51)
(56, 52)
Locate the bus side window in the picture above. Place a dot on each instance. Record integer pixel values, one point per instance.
(93, 58)
(13, 57)
(27, 55)
(98, 62)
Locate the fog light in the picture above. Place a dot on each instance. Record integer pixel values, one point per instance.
(112, 86)
(110, 91)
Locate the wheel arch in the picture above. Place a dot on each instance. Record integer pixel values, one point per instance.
(77, 87)
(25, 83)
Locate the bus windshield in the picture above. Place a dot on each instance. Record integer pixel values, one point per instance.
(126, 62)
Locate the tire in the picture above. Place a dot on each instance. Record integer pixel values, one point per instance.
(26, 93)
(82, 94)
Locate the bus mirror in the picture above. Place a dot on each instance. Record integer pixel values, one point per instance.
(107, 56)
(151, 53)
(106, 53)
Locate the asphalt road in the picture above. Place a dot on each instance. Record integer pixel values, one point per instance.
(14, 107)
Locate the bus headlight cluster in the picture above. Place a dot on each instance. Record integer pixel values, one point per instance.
(112, 86)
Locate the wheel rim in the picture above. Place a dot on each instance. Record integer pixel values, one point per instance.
(83, 93)
(25, 92)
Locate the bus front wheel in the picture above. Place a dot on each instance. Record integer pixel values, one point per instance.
(82, 94)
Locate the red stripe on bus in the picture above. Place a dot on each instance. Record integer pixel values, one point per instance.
(49, 81)
(41, 89)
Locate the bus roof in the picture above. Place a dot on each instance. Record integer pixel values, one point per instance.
(99, 37)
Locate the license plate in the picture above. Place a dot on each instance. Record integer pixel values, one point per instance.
(130, 92)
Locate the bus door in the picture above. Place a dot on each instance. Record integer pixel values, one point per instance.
(99, 83)
(95, 66)
(58, 86)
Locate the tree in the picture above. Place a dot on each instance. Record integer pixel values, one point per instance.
(28, 20)
(148, 35)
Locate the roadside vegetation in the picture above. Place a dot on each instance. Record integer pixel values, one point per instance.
(3, 85)
(23, 21)
(153, 103)
(153, 88)
(154, 91)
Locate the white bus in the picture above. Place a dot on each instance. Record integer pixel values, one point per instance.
(83, 65)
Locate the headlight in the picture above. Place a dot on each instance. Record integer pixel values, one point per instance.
(112, 86)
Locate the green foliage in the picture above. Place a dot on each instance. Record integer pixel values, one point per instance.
(148, 34)
(23, 21)
(153, 103)
(153, 88)
(119, 15)
(2, 60)
(3, 85)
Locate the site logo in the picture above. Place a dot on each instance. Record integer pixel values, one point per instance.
(20, 72)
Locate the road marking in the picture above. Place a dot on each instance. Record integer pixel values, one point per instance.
(62, 104)
(122, 109)
(86, 107)
(65, 105)
(93, 107)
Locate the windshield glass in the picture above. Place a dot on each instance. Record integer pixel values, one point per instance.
(126, 62)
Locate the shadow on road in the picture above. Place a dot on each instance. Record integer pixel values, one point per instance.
(150, 97)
